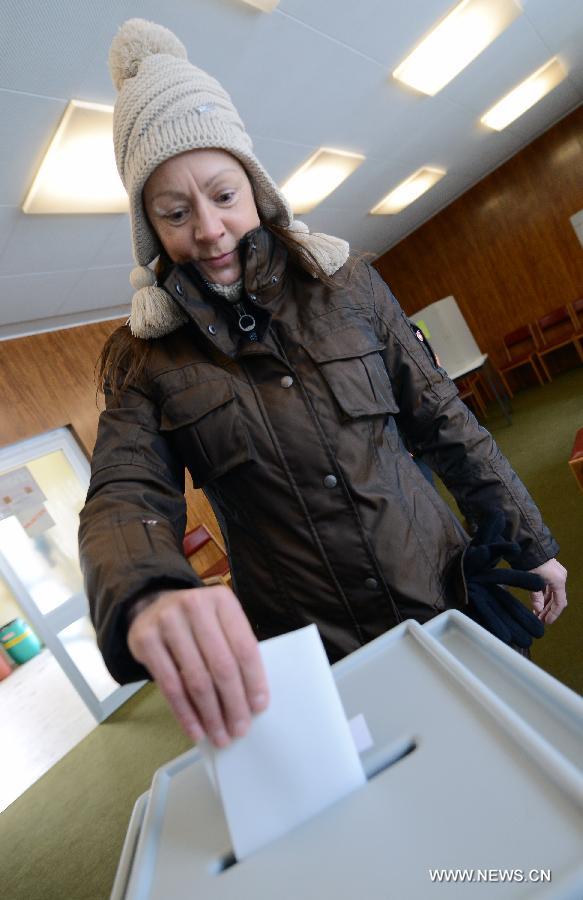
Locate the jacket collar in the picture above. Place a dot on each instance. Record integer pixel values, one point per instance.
(263, 260)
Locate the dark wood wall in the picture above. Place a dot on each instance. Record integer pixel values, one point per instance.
(47, 381)
(505, 249)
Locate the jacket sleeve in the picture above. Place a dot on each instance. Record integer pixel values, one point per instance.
(132, 524)
(441, 430)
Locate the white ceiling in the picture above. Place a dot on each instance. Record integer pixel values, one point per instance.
(313, 73)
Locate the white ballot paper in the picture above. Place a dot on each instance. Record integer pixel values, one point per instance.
(298, 756)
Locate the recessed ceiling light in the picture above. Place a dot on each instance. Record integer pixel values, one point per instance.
(455, 42)
(525, 95)
(408, 191)
(318, 177)
(78, 172)
(263, 5)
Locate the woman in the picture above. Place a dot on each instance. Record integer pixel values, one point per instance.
(280, 374)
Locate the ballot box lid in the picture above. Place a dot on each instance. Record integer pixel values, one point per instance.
(474, 774)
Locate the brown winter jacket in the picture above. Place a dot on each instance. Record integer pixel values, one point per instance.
(296, 441)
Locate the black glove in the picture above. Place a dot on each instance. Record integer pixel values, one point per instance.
(489, 604)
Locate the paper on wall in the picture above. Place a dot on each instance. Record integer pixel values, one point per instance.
(298, 757)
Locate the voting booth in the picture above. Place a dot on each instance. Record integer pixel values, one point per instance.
(474, 772)
(449, 334)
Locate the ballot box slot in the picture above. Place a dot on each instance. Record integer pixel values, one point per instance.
(376, 762)
(223, 862)
(388, 755)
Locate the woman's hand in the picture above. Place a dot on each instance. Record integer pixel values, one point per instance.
(199, 647)
(550, 603)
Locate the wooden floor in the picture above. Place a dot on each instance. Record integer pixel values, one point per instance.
(42, 718)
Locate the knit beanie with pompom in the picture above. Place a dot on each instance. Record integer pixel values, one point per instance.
(167, 106)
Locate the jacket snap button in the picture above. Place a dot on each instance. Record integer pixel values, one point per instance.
(275, 279)
(253, 297)
(149, 521)
(212, 329)
(330, 481)
(286, 381)
(178, 287)
(371, 583)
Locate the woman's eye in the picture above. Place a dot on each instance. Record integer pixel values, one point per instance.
(226, 196)
(176, 216)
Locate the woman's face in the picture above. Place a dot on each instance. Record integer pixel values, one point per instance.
(200, 204)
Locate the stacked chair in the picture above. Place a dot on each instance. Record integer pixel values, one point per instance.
(200, 539)
(532, 344)
(555, 330)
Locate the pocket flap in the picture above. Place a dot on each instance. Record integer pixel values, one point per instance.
(192, 403)
(351, 364)
(344, 344)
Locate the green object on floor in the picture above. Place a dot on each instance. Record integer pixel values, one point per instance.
(19, 641)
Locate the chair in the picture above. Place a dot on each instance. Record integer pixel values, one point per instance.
(556, 330)
(470, 389)
(576, 311)
(520, 347)
(219, 570)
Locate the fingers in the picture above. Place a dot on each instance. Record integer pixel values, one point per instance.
(245, 649)
(555, 604)
(150, 650)
(554, 597)
(199, 647)
(537, 599)
(220, 693)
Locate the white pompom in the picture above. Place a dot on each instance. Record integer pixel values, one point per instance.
(329, 252)
(154, 313)
(142, 277)
(298, 227)
(135, 40)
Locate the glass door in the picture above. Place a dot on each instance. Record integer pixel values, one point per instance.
(43, 484)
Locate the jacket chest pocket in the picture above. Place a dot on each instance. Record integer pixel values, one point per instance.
(205, 425)
(350, 363)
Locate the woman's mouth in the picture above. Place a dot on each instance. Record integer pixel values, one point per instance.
(215, 262)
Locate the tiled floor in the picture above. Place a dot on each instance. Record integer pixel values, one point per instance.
(42, 718)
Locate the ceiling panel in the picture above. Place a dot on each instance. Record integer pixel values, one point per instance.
(513, 56)
(116, 250)
(26, 297)
(53, 243)
(97, 289)
(46, 47)
(310, 74)
(28, 126)
(383, 30)
(8, 216)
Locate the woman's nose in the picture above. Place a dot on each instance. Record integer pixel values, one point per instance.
(208, 226)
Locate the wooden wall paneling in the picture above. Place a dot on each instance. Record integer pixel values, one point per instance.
(48, 381)
(506, 248)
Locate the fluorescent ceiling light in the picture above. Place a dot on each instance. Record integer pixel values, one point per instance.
(318, 177)
(408, 191)
(524, 95)
(263, 5)
(78, 173)
(455, 42)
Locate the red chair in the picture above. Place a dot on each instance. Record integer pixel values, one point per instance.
(470, 389)
(556, 330)
(193, 543)
(521, 348)
(576, 311)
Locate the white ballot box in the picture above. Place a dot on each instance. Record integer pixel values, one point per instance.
(474, 773)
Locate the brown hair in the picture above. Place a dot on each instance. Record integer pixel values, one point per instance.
(124, 357)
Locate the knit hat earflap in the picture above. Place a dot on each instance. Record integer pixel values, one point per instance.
(167, 106)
